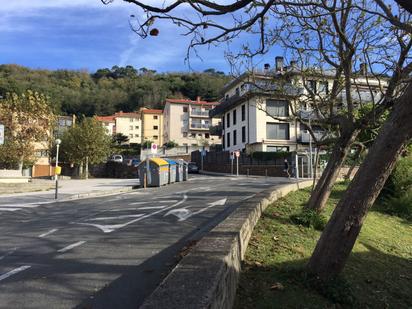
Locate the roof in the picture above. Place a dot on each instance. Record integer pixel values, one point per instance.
(152, 111)
(159, 161)
(187, 101)
(106, 118)
(123, 114)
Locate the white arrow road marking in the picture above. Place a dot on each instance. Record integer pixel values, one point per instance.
(113, 227)
(69, 247)
(181, 213)
(48, 233)
(213, 204)
(13, 272)
(117, 217)
(248, 197)
(10, 209)
(8, 253)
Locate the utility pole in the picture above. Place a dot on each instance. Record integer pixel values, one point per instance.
(57, 168)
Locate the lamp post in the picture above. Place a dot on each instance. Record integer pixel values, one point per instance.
(56, 170)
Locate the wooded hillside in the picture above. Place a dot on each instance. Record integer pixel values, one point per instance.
(110, 90)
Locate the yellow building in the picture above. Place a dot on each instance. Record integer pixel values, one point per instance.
(152, 124)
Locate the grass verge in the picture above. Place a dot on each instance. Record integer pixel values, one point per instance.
(378, 273)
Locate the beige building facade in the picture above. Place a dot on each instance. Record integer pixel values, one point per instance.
(188, 123)
(152, 124)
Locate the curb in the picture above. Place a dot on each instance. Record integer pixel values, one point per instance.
(207, 277)
(95, 194)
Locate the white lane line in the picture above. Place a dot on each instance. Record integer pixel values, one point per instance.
(48, 233)
(111, 228)
(69, 247)
(117, 217)
(8, 253)
(13, 272)
(9, 209)
(151, 207)
(138, 203)
(168, 201)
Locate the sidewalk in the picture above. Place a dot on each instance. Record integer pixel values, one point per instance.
(69, 190)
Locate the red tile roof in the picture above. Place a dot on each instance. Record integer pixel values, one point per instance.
(187, 101)
(123, 114)
(106, 118)
(152, 111)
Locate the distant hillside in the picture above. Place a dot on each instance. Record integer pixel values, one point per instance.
(110, 90)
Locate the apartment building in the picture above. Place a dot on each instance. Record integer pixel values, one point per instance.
(109, 123)
(257, 113)
(152, 124)
(128, 124)
(187, 122)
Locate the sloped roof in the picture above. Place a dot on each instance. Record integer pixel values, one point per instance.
(106, 118)
(152, 111)
(187, 101)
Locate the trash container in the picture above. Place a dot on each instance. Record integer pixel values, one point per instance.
(172, 170)
(158, 172)
(179, 170)
(185, 171)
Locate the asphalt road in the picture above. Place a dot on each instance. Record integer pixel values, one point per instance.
(109, 252)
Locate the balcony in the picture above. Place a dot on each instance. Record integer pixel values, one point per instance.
(202, 114)
(199, 126)
(305, 136)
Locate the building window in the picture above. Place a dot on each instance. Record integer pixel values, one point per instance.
(223, 122)
(155, 137)
(228, 139)
(131, 127)
(136, 135)
(278, 108)
(237, 91)
(324, 87)
(131, 119)
(243, 112)
(200, 135)
(185, 109)
(226, 97)
(277, 148)
(136, 127)
(193, 135)
(130, 135)
(184, 134)
(243, 134)
(155, 127)
(234, 116)
(277, 131)
(207, 135)
(155, 117)
(234, 138)
(311, 85)
(228, 120)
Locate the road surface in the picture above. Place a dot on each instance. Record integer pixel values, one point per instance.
(109, 252)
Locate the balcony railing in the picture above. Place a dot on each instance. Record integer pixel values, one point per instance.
(201, 126)
(199, 114)
(305, 136)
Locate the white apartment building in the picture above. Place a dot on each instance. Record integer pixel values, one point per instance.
(252, 99)
(109, 123)
(187, 122)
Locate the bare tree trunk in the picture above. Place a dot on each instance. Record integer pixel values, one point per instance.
(81, 170)
(321, 193)
(339, 236)
(86, 172)
(352, 167)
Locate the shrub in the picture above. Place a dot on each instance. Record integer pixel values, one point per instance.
(267, 156)
(398, 205)
(309, 218)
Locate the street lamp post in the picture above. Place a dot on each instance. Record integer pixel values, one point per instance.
(58, 142)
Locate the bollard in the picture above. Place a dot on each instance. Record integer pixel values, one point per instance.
(145, 180)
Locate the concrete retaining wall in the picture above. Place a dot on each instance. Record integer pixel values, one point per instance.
(207, 277)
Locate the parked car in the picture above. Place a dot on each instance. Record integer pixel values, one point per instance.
(133, 162)
(192, 167)
(116, 158)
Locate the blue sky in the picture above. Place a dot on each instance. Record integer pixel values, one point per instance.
(85, 34)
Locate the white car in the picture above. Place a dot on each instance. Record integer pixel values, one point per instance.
(117, 158)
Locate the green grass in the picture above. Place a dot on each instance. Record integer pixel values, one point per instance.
(378, 273)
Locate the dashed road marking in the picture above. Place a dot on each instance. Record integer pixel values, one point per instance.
(116, 217)
(9, 209)
(48, 233)
(14, 271)
(151, 207)
(8, 253)
(69, 247)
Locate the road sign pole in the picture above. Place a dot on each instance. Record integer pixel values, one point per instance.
(237, 165)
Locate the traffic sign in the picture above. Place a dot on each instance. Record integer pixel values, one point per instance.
(154, 148)
(232, 155)
(237, 154)
(1, 134)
